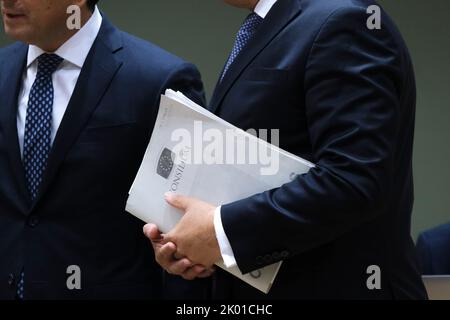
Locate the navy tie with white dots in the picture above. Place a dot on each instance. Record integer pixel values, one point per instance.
(246, 32)
(38, 130)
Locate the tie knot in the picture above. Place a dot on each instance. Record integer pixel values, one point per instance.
(48, 63)
(246, 32)
(251, 23)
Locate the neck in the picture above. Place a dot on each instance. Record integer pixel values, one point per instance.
(62, 37)
(252, 5)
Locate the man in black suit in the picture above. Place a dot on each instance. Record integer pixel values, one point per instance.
(343, 96)
(77, 110)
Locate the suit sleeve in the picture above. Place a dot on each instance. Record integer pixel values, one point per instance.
(352, 80)
(187, 79)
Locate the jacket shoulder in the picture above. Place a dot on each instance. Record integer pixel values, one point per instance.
(327, 7)
(10, 50)
(150, 55)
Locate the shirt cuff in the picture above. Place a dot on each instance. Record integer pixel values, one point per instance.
(225, 247)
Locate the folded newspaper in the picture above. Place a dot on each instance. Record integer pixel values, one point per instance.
(195, 153)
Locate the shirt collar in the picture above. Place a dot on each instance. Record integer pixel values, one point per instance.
(263, 7)
(76, 49)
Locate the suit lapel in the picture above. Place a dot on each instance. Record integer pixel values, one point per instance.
(283, 12)
(98, 71)
(10, 86)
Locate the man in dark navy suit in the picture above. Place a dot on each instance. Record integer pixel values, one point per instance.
(433, 247)
(343, 96)
(77, 109)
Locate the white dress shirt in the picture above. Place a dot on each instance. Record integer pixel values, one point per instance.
(74, 52)
(262, 9)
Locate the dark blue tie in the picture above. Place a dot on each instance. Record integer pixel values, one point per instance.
(38, 124)
(248, 29)
(38, 130)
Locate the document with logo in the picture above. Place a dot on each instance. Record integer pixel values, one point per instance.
(195, 153)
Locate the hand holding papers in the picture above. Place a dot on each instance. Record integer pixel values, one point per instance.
(190, 153)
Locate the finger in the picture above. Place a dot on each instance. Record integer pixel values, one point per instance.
(166, 238)
(164, 255)
(157, 245)
(151, 231)
(207, 273)
(179, 267)
(178, 256)
(177, 201)
(192, 273)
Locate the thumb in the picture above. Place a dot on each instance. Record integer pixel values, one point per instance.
(177, 201)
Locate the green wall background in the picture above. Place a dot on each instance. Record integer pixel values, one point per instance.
(203, 31)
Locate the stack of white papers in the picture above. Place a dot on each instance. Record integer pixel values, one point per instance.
(189, 153)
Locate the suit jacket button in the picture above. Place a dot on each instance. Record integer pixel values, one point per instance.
(33, 221)
(268, 258)
(11, 279)
(259, 260)
(284, 254)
